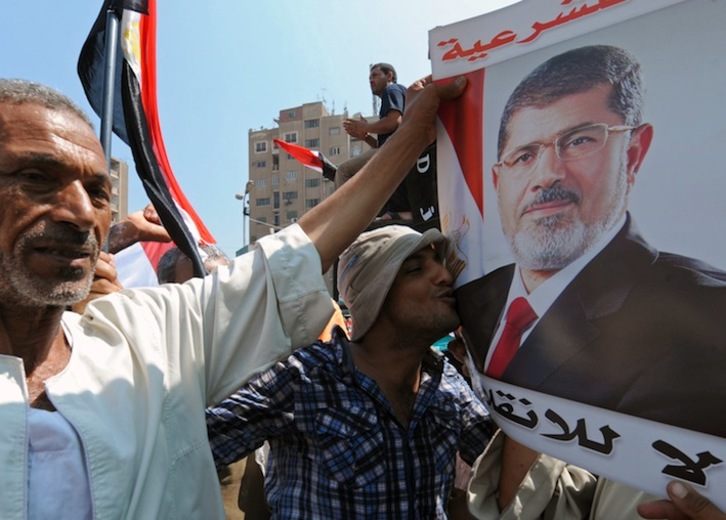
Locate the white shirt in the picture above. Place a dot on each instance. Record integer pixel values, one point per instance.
(145, 363)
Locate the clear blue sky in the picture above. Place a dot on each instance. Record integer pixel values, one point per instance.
(232, 66)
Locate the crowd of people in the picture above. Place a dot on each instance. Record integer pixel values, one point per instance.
(103, 391)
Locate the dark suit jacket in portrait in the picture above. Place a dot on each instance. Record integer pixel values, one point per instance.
(637, 331)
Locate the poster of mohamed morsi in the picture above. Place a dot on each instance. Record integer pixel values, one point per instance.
(584, 194)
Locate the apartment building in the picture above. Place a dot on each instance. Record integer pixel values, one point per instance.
(120, 189)
(282, 189)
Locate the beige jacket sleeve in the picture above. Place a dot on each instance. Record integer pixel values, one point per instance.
(552, 489)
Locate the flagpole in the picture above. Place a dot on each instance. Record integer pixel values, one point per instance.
(109, 82)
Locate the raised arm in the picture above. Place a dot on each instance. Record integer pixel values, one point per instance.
(139, 226)
(339, 219)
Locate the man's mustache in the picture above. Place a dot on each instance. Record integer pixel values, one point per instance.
(552, 194)
(61, 235)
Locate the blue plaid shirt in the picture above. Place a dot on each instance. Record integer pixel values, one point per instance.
(336, 448)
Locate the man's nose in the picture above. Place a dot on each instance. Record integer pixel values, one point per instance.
(74, 206)
(548, 169)
(442, 275)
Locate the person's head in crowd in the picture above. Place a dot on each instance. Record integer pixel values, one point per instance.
(381, 74)
(55, 208)
(215, 257)
(394, 278)
(571, 141)
(176, 267)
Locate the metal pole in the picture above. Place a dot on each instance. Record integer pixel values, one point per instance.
(109, 83)
(244, 221)
(246, 207)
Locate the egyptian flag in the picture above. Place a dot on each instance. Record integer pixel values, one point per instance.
(461, 192)
(136, 122)
(313, 160)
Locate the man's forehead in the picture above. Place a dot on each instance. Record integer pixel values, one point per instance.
(34, 131)
(37, 114)
(536, 123)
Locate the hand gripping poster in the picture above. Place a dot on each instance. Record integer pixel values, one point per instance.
(583, 186)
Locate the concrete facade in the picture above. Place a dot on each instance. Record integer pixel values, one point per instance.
(283, 189)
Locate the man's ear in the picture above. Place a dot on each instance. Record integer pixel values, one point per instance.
(637, 149)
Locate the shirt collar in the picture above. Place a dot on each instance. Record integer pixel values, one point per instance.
(432, 363)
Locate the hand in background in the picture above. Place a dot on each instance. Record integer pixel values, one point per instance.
(105, 281)
(139, 226)
(422, 102)
(684, 504)
(357, 128)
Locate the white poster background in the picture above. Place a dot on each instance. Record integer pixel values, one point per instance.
(679, 196)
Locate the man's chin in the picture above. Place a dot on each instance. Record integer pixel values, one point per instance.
(447, 324)
(58, 298)
(550, 248)
(45, 293)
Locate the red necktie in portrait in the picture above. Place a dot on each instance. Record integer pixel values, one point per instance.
(519, 316)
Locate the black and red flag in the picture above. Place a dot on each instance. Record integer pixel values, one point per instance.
(136, 118)
(310, 158)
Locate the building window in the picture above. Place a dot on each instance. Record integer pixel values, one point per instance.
(291, 137)
(291, 176)
(292, 115)
(312, 143)
(312, 123)
(260, 146)
(312, 183)
(261, 164)
(265, 201)
(260, 183)
(275, 162)
(334, 150)
(261, 220)
(356, 150)
(276, 219)
(311, 203)
(275, 181)
(334, 130)
(289, 196)
(292, 216)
